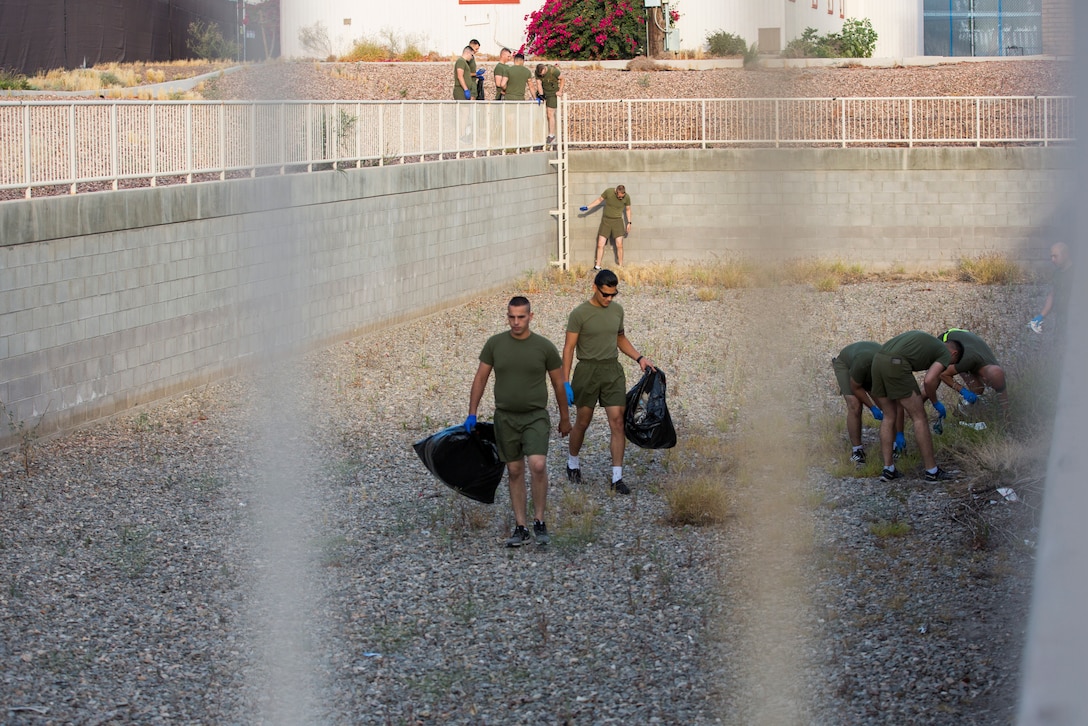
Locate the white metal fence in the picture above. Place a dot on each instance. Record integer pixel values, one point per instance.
(57, 143)
(70, 143)
(709, 123)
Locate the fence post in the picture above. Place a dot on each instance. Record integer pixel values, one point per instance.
(381, 135)
(702, 105)
(1046, 124)
(630, 132)
(978, 122)
(72, 155)
(910, 123)
(113, 144)
(842, 124)
(776, 124)
(151, 144)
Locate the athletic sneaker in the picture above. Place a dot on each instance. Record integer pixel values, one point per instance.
(550, 140)
(540, 533)
(619, 487)
(574, 476)
(519, 537)
(858, 456)
(890, 474)
(596, 267)
(940, 475)
(897, 452)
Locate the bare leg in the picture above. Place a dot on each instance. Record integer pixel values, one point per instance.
(619, 251)
(601, 240)
(538, 473)
(583, 415)
(853, 419)
(915, 409)
(887, 429)
(617, 441)
(516, 472)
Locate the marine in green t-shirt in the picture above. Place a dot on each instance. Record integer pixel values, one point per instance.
(522, 361)
(853, 372)
(501, 72)
(896, 389)
(595, 331)
(517, 79)
(463, 80)
(976, 366)
(551, 86)
(616, 220)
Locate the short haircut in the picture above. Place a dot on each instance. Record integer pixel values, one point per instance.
(505, 50)
(540, 67)
(621, 188)
(519, 56)
(474, 42)
(956, 346)
(519, 301)
(469, 49)
(606, 278)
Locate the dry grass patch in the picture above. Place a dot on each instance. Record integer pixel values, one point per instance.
(699, 470)
(990, 269)
(121, 75)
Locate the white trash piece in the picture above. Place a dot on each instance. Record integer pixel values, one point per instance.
(1008, 493)
(977, 426)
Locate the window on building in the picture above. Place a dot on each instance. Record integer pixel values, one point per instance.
(983, 27)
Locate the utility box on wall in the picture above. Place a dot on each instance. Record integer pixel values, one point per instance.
(652, 4)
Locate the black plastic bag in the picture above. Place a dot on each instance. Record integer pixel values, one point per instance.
(467, 463)
(646, 422)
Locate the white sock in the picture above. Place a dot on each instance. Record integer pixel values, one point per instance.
(617, 473)
(933, 470)
(572, 462)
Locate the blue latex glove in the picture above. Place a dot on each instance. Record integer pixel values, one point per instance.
(900, 441)
(583, 209)
(1037, 319)
(470, 423)
(479, 72)
(539, 100)
(570, 394)
(468, 95)
(968, 395)
(877, 413)
(940, 409)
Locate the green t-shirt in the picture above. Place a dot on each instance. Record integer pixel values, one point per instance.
(521, 370)
(976, 353)
(597, 330)
(550, 81)
(517, 80)
(1062, 287)
(858, 359)
(501, 71)
(918, 348)
(613, 205)
(458, 92)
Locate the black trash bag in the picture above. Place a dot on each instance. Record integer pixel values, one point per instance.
(467, 463)
(646, 422)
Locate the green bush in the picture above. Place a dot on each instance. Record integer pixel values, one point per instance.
(207, 42)
(721, 44)
(12, 81)
(857, 40)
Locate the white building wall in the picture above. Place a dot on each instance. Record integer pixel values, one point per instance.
(445, 26)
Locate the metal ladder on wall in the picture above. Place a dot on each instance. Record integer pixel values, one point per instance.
(561, 215)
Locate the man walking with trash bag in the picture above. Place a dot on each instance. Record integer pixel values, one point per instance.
(595, 331)
(522, 360)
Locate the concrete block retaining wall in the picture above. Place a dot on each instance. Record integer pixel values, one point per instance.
(115, 299)
(883, 208)
(109, 300)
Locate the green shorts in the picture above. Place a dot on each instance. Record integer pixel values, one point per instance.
(521, 434)
(893, 377)
(842, 375)
(551, 100)
(612, 227)
(599, 381)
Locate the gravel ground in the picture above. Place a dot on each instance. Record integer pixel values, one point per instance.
(434, 81)
(269, 549)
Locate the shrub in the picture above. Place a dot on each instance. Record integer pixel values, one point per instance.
(720, 43)
(857, 40)
(990, 269)
(206, 41)
(12, 81)
(574, 29)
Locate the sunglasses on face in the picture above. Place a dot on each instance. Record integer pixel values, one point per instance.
(609, 294)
